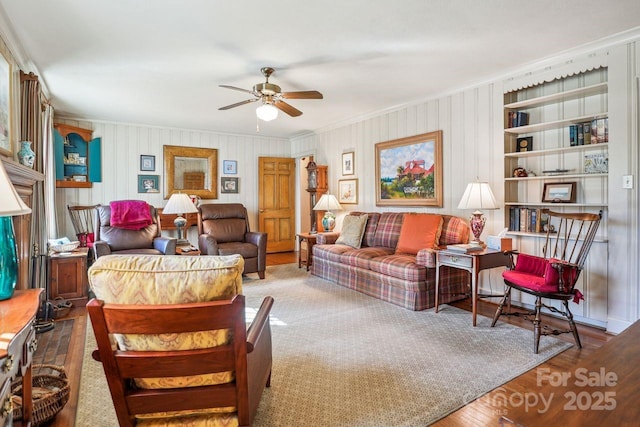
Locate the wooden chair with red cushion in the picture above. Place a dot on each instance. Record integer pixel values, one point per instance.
(552, 276)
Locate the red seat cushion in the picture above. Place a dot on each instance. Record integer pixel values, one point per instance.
(538, 274)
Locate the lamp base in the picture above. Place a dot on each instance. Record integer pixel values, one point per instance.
(477, 221)
(328, 222)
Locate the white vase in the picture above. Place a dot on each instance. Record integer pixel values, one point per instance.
(26, 156)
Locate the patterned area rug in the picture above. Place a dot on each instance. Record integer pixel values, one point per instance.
(342, 358)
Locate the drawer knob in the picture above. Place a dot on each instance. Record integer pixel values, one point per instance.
(455, 259)
(7, 364)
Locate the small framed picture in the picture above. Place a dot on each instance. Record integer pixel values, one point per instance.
(147, 163)
(348, 191)
(148, 183)
(559, 192)
(230, 167)
(348, 166)
(229, 185)
(524, 144)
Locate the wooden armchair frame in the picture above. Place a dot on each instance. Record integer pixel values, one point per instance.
(248, 355)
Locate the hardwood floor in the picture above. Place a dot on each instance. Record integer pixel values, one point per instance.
(480, 412)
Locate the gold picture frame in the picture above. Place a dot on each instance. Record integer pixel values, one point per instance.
(196, 162)
(348, 191)
(409, 171)
(6, 112)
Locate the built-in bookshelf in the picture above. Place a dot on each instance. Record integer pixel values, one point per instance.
(545, 151)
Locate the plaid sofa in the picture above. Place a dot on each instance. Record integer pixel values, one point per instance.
(376, 270)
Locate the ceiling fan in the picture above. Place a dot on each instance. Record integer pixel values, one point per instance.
(272, 98)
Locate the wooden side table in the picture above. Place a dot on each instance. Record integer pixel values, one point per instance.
(68, 276)
(473, 262)
(306, 241)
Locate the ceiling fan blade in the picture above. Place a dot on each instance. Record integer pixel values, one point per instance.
(237, 104)
(305, 94)
(290, 110)
(238, 88)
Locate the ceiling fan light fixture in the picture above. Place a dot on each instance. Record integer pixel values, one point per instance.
(267, 112)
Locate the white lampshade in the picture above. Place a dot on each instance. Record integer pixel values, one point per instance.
(327, 202)
(12, 204)
(179, 203)
(267, 112)
(478, 195)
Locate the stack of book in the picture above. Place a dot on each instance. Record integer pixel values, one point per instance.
(464, 248)
(593, 132)
(518, 118)
(529, 220)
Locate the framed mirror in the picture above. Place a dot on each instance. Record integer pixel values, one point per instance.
(191, 170)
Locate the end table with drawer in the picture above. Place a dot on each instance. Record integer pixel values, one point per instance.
(473, 262)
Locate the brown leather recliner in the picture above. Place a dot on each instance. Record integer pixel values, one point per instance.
(223, 229)
(112, 240)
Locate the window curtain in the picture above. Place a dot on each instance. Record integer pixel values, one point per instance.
(35, 127)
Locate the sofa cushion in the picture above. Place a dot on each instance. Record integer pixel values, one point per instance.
(361, 258)
(454, 230)
(419, 231)
(400, 266)
(370, 229)
(388, 230)
(352, 230)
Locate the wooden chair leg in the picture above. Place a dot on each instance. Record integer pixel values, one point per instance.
(572, 324)
(507, 297)
(261, 274)
(536, 325)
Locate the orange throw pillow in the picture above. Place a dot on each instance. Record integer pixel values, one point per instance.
(419, 231)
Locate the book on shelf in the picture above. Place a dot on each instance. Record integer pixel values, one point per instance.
(464, 248)
(573, 135)
(517, 119)
(587, 133)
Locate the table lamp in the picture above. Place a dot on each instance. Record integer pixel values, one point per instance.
(12, 205)
(180, 204)
(328, 202)
(478, 195)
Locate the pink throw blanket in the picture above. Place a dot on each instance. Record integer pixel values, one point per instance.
(130, 214)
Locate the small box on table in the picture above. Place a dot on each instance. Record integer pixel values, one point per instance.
(499, 243)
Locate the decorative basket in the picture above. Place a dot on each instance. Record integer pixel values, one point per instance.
(67, 247)
(61, 307)
(50, 393)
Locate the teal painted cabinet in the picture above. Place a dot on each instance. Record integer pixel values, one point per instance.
(78, 157)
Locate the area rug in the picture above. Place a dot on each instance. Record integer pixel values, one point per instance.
(342, 358)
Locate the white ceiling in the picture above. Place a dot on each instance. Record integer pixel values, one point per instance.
(160, 62)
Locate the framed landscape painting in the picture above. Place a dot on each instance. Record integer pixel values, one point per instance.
(409, 171)
(5, 106)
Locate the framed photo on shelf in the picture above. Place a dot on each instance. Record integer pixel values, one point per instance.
(559, 192)
(348, 191)
(348, 165)
(230, 167)
(148, 183)
(229, 185)
(147, 163)
(409, 171)
(6, 114)
(524, 144)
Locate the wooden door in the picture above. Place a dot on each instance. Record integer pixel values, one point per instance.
(276, 202)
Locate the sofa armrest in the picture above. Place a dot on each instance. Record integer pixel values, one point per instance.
(259, 239)
(101, 248)
(326, 238)
(166, 245)
(426, 257)
(207, 244)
